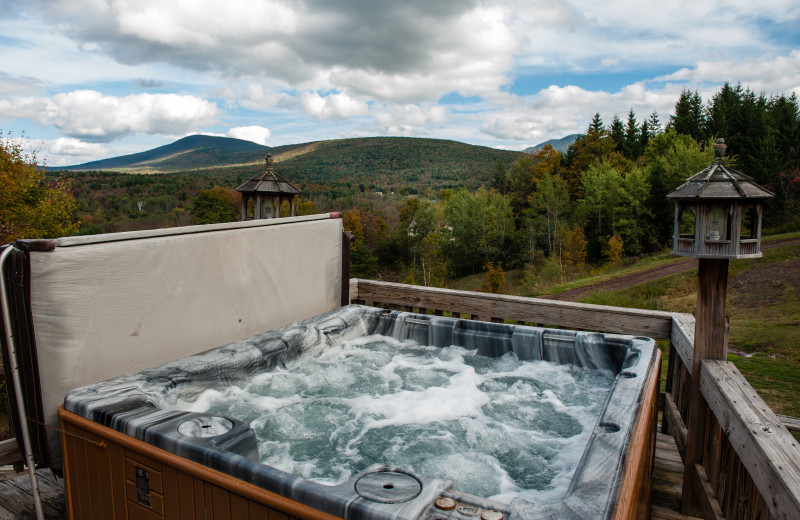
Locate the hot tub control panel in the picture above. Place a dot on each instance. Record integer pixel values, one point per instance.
(455, 506)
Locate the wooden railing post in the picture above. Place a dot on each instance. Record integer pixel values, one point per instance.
(710, 342)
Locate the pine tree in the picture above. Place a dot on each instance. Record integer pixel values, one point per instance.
(596, 126)
(654, 124)
(689, 118)
(617, 132)
(632, 148)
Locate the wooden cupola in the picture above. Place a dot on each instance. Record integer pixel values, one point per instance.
(263, 195)
(718, 212)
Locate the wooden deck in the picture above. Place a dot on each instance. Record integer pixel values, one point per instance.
(667, 481)
(16, 501)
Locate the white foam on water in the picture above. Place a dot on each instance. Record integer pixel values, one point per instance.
(497, 427)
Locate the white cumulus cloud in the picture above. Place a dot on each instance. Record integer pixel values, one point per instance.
(254, 133)
(89, 114)
(410, 118)
(333, 106)
(75, 147)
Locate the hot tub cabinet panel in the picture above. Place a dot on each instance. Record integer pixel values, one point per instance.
(129, 456)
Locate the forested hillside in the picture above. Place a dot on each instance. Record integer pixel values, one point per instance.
(337, 175)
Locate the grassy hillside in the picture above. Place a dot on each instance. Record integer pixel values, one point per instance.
(764, 310)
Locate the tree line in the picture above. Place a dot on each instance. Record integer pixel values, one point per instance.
(601, 200)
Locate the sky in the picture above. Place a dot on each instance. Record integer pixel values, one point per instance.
(83, 80)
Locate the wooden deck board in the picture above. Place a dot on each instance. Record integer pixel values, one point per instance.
(16, 500)
(667, 481)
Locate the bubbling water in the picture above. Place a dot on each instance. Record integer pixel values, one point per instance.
(496, 427)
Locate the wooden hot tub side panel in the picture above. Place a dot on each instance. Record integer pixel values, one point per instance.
(634, 496)
(112, 476)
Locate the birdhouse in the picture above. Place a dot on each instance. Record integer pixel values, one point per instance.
(263, 195)
(718, 212)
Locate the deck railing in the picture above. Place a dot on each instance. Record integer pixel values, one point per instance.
(750, 463)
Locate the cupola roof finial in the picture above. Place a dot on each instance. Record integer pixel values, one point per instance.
(719, 150)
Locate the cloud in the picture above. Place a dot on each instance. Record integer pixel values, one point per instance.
(559, 111)
(416, 48)
(333, 106)
(12, 84)
(90, 115)
(148, 83)
(256, 134)
(771, 73)
(75, 147)
(579, 35)
(408, 119)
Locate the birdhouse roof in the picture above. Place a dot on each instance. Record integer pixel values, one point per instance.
(718, 181)
(268, 182)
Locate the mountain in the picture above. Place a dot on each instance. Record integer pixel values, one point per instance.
(559, 145)
(379, 162)
(190, 152)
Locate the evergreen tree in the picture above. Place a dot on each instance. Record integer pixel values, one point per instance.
(596, 126)
(632, 148)
(653, 125)
(689, 118)
(617, 133)
(645, 133)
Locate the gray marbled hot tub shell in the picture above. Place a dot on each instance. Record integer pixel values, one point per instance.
(135, 404)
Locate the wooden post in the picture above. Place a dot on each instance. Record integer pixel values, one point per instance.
(710, 342)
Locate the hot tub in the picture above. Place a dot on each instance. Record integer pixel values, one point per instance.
(603, 485)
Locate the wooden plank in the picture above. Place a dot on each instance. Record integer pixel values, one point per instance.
(682, 337)
(656, 324)
(5, 514)
(221, 503)
(676, 426)
(117, 477)
(171, 499)
(705, 495)
(9, 452)
(185, 484)
(767, 450)
(239, 508)
(16, 499)
(663, 513)
(791, 423)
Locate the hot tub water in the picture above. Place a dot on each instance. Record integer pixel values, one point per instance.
(496, 427)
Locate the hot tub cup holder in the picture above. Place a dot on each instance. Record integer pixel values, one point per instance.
(388, 487)
(205, 426)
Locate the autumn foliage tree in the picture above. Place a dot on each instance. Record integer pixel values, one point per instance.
(214, 205)
(29, 206)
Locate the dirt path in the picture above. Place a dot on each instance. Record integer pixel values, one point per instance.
(648, 275)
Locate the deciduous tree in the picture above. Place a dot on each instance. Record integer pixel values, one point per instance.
(214, 205)
(29, 206)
